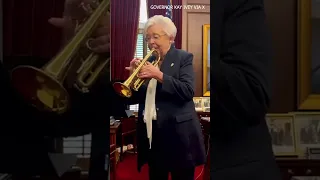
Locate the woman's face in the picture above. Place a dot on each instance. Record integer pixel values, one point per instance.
(158, 39)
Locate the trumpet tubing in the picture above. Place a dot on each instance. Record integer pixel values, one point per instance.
(43, 87)
(133, 81)
(89, 72)
(61, 61)
(138, 83)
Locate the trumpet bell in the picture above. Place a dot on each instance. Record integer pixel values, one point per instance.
(43, 91)
(122, 89)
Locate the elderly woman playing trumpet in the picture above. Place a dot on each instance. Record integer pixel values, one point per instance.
(168, 132)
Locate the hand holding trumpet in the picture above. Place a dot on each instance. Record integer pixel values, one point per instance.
(134, 63)
(76, 11)
(147, 71)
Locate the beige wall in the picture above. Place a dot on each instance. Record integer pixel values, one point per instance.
(192, 21)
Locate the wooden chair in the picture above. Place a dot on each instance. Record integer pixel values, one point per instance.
(128, 128)
(113, 148)
(206, 133)
(113, 161)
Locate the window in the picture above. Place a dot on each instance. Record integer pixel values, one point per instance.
(141, 47)
(143, 16)
(80, 145)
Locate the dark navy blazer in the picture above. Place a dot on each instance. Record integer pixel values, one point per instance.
(181, 139)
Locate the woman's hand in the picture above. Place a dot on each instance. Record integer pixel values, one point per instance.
(149, 71)
(134, 63)
(101, 37)
(75, 11)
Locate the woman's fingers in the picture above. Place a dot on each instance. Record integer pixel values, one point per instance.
(59, 22)
(102, 48)
(102, 31)
(100, 44)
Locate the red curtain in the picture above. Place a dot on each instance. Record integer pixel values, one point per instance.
(124, 29)
(176, 16)
(26, 28)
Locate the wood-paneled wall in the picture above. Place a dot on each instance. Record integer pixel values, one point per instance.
(192, 21)
(282, 21)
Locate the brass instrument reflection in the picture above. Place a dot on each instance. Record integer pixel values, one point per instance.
(44, 88)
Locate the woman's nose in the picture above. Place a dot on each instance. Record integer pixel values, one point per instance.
(152, 45)
(151, 41)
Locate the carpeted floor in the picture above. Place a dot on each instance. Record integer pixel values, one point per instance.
(127, 170)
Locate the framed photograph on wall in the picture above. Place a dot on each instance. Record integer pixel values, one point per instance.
(305, 178)
(307, 129)
(198, 103)
(281, 128)
(206, 60)
(308, 67)
(206, 104)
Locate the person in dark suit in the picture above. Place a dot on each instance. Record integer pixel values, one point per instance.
(241, 88)
(169, 135)
(26, 131)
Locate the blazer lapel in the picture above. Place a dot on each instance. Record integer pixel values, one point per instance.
(168, 62)
(167, 65)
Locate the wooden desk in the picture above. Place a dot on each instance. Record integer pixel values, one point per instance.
(114, 128)
(291, 167)
(128, 128)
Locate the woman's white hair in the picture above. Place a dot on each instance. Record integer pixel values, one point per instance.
(166, 23)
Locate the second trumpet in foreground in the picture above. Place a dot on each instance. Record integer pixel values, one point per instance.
(44, 88)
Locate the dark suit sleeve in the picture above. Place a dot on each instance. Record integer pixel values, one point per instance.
(240, 82)
(183, 88)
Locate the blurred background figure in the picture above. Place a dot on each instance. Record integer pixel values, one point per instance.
(42, 30)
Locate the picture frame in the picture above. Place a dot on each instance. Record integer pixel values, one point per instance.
(307, 131)
(206, 104)
(306, 97)
(305, 178)
(206, 60)
(198, 104)
(281, 129)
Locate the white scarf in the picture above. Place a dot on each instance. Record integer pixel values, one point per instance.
(150, 112)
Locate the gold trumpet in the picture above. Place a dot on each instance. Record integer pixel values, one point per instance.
(43, 88)
(134, 82)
